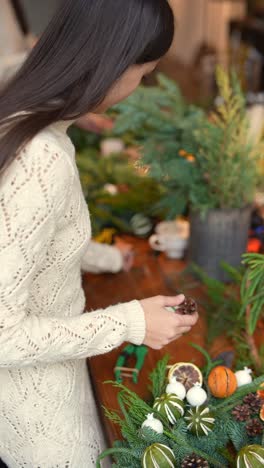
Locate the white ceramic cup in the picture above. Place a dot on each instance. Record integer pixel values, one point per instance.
(180, 227)
(170, 243)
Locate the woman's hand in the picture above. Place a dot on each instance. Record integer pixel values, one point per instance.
(127, 253)
(163, 326)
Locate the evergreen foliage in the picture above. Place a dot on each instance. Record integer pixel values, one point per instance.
(214, 447)
(252, 288)
(158, 377)
(205, 162)
(227, 306)
(109, 210)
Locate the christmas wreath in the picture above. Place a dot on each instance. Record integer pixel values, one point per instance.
(192, 419)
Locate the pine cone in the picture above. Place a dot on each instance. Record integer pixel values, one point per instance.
(253, 401)
(188, 307)
(241, 412)
(193, 461)
(254, 427)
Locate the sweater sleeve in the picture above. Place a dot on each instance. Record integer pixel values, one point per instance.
(29, 204)
(102, 258)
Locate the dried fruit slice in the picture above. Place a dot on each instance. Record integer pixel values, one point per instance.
(186, 373)
(260, 392)
(261, 414)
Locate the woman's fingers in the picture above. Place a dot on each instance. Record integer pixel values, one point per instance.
(163, 326)
(168, 301)
(186, 320)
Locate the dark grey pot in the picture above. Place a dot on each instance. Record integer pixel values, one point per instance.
(221, 236)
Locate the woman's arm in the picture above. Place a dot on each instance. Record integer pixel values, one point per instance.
(33, 194)
(27, 340)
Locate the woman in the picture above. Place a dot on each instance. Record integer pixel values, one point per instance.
(93, 54)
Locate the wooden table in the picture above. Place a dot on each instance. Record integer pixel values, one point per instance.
(151, 275)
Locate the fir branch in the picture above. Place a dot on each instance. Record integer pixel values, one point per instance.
(122, 406)
(214, 441)
(237, 434)
(150, 437)
(237, 315)
(180, 441)
(158, 377)
(252, 298)
(113, 416)
(250, 340)
(230, 402)
(137, 408)
(111, 451)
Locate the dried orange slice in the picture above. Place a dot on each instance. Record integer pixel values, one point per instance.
(261, 414)
(186, 373)
(260, 392)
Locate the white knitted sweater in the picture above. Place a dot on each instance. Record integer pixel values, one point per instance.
(48, 416)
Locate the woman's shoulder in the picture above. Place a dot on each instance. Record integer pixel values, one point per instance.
(52, 144)
(44, 168)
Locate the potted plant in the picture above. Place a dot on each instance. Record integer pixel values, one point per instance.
(206, 163)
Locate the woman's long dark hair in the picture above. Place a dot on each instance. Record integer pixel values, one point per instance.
(85, 49)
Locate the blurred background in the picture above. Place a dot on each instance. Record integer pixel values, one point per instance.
(208, 31)
(149, 159)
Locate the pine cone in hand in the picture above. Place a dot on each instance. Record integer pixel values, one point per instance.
(254, 402)
(188, 307)
(241, 412)
(254, 427)
(193, 461)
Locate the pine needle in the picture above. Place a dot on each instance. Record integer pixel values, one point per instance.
(158, 377)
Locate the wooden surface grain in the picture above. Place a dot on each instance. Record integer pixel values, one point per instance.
(150, 276)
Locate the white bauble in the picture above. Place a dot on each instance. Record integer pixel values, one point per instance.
(177, 388)
(111, 189)
(111, 146)
(141, 225)
(196, 396)
(153, 423)
(243, 376)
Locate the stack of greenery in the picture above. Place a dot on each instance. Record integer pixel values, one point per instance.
(114, 190)
(202, 162)
(206, 430)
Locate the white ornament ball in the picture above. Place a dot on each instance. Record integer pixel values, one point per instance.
(177, 388)
(196, 396)
(153, 423)
(111, 189)
(111, 146)
(243, 377)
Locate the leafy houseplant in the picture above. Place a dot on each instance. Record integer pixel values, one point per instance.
(205, 163)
